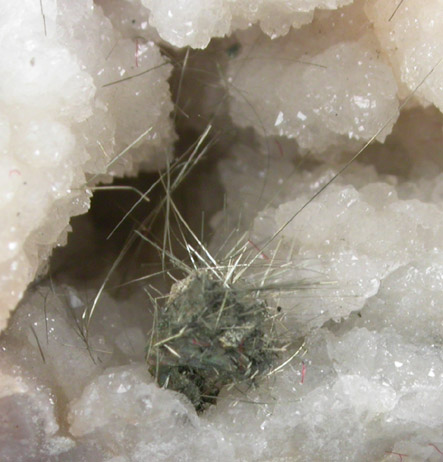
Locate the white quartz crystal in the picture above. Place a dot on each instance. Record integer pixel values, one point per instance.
(28, 422)
(194, 23)
(60, 124)
(411, 36)
(297, 87)
(311, 96)
(359, 392)
(349, 239)
(366, 387)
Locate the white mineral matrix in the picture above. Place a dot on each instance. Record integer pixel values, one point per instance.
(303, 84)
(62, 124)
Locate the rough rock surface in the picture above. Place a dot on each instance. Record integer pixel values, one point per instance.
(60, 125)
(193, 23)
(368, 251)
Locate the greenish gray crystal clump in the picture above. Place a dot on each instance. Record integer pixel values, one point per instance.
(211, 335)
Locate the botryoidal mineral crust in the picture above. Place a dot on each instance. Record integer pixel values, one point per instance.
(379, 373)
(303, 84)
(193, 23)
(309, 98)
(61, 126)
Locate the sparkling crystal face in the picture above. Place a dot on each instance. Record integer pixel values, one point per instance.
(86, 88)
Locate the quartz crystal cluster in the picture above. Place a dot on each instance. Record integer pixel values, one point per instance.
(293, 89)
(310, 97)
(62, 124)
(192, 23)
